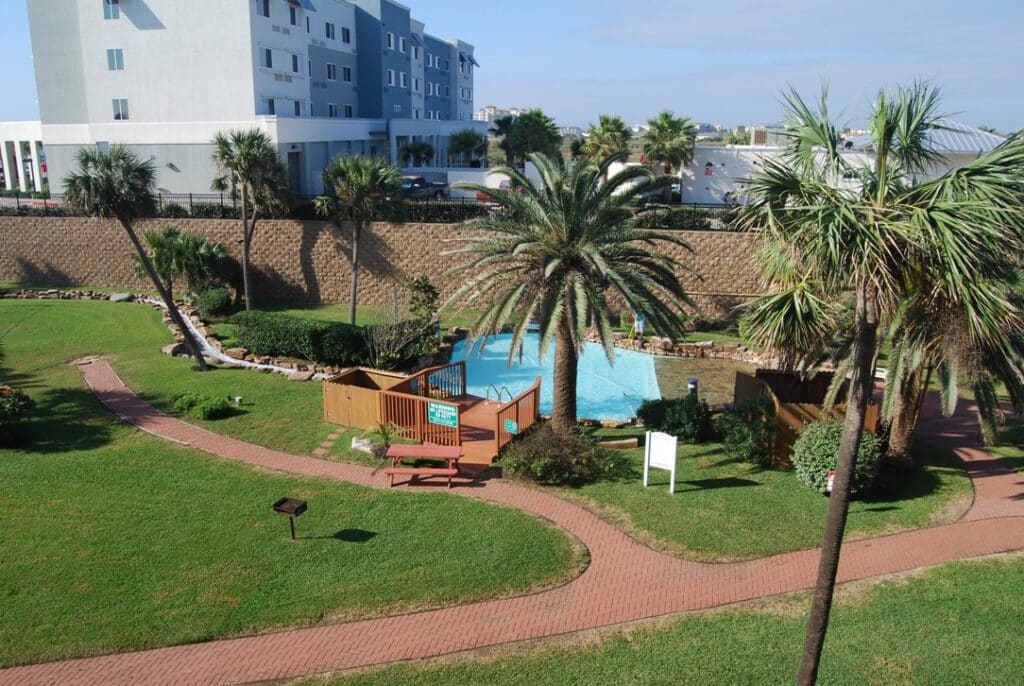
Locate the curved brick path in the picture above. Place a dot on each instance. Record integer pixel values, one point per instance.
(625, 581)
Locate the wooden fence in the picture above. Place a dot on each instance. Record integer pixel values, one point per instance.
(412, 414)
(447, 382)
(523, 411)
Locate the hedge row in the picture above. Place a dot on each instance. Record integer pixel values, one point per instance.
(688, 219)
(280, 335)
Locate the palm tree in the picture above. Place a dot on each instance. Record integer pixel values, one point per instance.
(872, 239)
(251, 169)
(670, 142)
(417, 152)
(116, 184)
(558, 253)
(532, 132)
(165, 253)
(609, 137)
(359, 188)
(502, 128)
(183, 255)
(467, 144)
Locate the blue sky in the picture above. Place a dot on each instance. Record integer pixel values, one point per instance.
(720, 61)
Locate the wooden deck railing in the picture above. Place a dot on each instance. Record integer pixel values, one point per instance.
(441, 383)
(523, 410)
(411, 414)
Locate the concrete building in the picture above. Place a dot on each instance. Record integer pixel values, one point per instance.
(22, 160)
(320, 77)
(490, 113)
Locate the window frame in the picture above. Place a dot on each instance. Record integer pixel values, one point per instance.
(295, 64)
(298, 108)
(350, 112)
(403, 79)
(346, 74)
(120, 109)
(346, 35)
(401, 44)
(115, 59)
(111, 10)
(332, 71)
(293, 15)
(390, 41)
(264, 8)
(329, 30)
(390, 80)
(268, 58)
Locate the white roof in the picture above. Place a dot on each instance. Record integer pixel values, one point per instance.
(952, 137)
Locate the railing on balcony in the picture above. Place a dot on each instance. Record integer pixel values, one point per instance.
(447, 382)
(522, 412)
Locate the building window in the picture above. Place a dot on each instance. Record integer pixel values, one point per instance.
(447, 91)
(329, 29)
(416, 85)
(430, 87)
(416, 114)
(268, 58)
(397, 108)
(401, 44)
(430, 60)
(115, 59)
(346, 74)
(332, 110)
(391, 41)
(403, 80)
(271, 107)
(120, 109)
(346, 35)
(111, 9)
(307, 24)
(447, 65)
(295, 64)
(348, 111)
(263, 6)
(293, 15)
(309, 66)
(391, 77)
(332, 72)
(416, 54)
(298, 108)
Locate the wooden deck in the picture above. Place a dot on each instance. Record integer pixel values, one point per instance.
(478, 418)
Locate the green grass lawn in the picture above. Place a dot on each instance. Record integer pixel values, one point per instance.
(723, 509)
(115, 540)
(1011, 444)
(958, 624)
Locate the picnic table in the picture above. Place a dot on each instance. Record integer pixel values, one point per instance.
(450, 454)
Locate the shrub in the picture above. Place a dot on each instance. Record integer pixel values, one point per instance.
(15, 406)
(173, 210)
(201, 407)
(436, 212)
(214, 302)
(565, 460)
(688, 418)
(279, 335)
(748, 430)
(816, 451)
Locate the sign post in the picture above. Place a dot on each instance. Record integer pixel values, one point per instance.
(660, 453)
(443, 414)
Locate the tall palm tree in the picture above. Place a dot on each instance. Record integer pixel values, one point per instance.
(116, 184)
(358, 189)
(418, 153)
(251, 169)
(670, 142)
(609, 137)
(467, 145)
(501, 129)
(532, 132)
(558, 253)
(872, 239)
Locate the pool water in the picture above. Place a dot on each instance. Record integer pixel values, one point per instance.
(603, 391)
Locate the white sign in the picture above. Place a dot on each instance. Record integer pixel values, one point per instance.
(831, 482)
(660, 453)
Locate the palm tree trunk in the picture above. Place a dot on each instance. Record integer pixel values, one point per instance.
(357, 230)
(906, 412)
(835, 520)
(172, 309)
(563, 414)
(666, 192)
(245, 247)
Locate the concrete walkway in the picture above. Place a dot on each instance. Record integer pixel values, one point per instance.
(625, 581)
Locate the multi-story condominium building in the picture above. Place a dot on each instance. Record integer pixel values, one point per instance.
(320, 77)
(490, 113)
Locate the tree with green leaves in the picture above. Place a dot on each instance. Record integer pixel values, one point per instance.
(116, 184)
(555, 257)
(872, 240)
(417, 153)
(467, 145)
(670, 142)
(737, 138)
(532, 132)
(501, 129)
(249, 167)
(609, 136)
(357, 190)
(188, 256)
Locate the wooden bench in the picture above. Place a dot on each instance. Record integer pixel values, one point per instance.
(397, 453)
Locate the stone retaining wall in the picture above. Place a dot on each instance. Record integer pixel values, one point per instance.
(296, 260)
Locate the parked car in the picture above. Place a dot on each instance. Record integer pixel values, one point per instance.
(418, 188)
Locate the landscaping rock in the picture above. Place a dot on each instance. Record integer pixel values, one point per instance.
(620, 443)
(363, 445)
(122, 298)
(174, 349)
(300, 376)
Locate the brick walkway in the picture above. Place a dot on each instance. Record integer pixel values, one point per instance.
(625, 581)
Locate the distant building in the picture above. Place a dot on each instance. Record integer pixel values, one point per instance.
(490, 113)
(319, 77)
(571, 130)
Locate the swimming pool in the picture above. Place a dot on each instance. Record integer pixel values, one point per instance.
(603, 391)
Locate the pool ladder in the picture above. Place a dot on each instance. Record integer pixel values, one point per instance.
(498, 392)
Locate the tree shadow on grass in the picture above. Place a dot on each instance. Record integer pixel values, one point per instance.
(65, 420)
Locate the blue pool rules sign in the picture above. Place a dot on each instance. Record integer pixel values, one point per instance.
(442, 414)
(511, 426)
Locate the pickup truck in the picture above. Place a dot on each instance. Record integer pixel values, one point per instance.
(418, 188)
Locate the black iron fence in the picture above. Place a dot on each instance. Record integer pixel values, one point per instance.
(675, 217)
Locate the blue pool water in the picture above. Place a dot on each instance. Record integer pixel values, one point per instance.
(603, 391)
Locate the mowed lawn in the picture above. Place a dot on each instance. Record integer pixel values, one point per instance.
(115, 540)
(954, 625)
(726, 510)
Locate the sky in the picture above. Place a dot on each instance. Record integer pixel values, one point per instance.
(717, 61)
